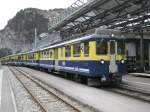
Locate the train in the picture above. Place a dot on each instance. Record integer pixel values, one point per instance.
(99, 56)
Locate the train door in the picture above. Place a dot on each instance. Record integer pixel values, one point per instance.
(113, 48)
(56, 63)
(37, 58)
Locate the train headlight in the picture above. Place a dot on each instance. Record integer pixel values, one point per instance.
(122, 61)
(102, 61)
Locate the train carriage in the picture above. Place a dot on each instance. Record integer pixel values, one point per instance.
(31, 59)
(99, 56)
(46, 59)
(93, 56)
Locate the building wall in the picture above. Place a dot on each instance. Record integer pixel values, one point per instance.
(131, 46)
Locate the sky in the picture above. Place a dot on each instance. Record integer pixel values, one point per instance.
(8, 8)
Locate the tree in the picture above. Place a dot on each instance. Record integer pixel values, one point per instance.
(5, 52)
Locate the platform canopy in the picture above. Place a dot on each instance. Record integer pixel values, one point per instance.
(83, 15)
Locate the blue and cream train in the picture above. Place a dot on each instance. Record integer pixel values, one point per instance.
(97, 56)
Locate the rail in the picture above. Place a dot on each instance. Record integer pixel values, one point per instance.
(40, 84)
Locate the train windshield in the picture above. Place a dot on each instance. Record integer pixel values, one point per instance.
(101, 47)
(121, 48)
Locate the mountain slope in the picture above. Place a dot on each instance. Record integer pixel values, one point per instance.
(19, 32)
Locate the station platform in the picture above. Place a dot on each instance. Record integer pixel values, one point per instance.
(7, 101)
(148, 72)
(102, 100)
(145, 74)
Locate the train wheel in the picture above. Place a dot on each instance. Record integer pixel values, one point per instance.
(65, 75)
(83, 80)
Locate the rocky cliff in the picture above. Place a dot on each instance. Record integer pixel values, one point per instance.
(18, 34)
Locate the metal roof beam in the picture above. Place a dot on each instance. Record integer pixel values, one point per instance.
(81, 11)
(130, 21)
(103, 15)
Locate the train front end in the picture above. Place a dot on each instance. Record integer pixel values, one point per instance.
(117, 62)
(112, 65)
(111, 58)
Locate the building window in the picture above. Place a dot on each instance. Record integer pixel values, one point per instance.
(101, 48)
(68, 51)
(76, 50)
(86, 49)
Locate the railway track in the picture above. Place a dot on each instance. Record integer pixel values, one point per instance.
(124, 89)
(47, 100)
(131, 91)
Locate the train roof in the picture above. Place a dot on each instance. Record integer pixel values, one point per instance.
(68, 42)
(18, 54)
(82, 39)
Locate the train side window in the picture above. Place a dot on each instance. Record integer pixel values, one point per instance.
(29, 56)
(51, 53)
(68, 51)
(41, 54)
(34, 55)
(101, 48)
(48, 53)
(86, 49)
(76, 50)
(44, 52)
(26, 57)
(61, 52)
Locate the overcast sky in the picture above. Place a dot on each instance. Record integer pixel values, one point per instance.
(8, 8)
